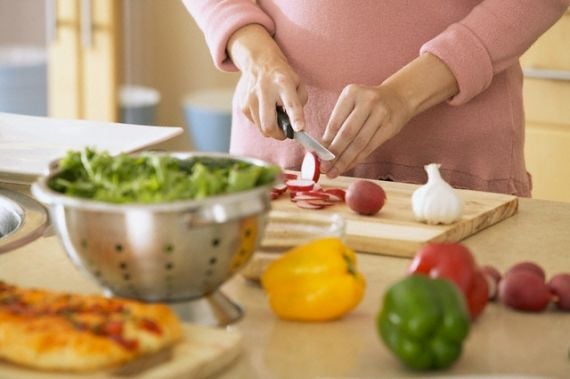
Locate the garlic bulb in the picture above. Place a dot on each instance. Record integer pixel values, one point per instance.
(436, 202)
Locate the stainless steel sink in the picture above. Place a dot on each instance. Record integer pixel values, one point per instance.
(22, 219)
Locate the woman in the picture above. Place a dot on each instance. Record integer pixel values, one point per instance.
(387, 85)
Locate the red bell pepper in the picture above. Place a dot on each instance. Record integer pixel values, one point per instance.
(455, 262)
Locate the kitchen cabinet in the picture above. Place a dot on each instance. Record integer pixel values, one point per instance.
(83, 47)
(547, 107)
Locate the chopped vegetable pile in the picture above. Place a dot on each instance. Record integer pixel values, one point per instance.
(153, 178)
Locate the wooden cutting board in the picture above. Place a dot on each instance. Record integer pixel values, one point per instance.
(203, 352)
(394, 231)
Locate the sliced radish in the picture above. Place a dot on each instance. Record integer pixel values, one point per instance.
(334, 199)
(338, 192)
(300, 185)
(275, 195)
(302, 197)
(317, 194)
(308, 205)
(317, 187)
(279, 188)
(290, 176)
(311, 167)
(324, 203)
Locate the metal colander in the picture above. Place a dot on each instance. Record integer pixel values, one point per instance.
(168, 252)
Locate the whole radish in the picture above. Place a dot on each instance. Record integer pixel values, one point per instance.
(528, 266)
(493, 277)
(525, 291)
(365, 197)
(560, 287)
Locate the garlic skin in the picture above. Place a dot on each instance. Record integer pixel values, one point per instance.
(436, 202)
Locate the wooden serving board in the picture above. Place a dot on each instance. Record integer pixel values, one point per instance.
(394, 230)
(203, 352)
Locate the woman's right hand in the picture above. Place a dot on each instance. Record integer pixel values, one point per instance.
(267, 81)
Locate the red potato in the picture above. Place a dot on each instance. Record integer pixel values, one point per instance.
(530, 267)
(525, 291)
(493, 277)
(365, 197)
(560, 287)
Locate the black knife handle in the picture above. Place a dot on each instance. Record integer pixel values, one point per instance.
(284, 123)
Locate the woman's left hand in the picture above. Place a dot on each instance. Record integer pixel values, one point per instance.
(363, 118)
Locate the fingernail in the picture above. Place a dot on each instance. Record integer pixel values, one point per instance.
(298, 126)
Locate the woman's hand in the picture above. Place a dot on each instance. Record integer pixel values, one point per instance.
(266, 81)
(365, 117)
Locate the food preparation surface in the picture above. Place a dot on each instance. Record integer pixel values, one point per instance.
(394, 231)
(502, 343)
(203, 352)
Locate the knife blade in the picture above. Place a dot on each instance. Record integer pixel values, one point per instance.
(308, 142)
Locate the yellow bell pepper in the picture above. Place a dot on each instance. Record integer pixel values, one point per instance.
(317, 281)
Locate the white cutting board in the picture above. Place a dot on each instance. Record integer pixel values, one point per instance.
(203, 352)
(28, 144)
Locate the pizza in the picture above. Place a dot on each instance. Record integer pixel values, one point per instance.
(58, 331)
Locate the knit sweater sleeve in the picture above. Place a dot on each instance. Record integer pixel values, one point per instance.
(490, 39)
(219, 19)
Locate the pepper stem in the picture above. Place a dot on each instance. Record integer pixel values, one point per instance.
(349, 266)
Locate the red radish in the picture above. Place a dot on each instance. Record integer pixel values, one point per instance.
(290, 176)
(531, 267)
(334, 198)
(317, 187)
(308, 205)
(365, 197)
(279, 188)
(560, 287)
(275, 195)
(300, 196)
(311, 167)
(300, 185)
(338, 192)
(324, 203)
(525, 291)
(493, 277)
(317, 194)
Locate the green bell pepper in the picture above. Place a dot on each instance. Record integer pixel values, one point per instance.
(424, 321)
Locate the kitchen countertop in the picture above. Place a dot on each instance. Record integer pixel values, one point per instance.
(502, 342)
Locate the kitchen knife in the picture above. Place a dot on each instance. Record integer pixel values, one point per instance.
(308, 142)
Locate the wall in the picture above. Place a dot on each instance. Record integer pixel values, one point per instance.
(165, 49)
(22, 22)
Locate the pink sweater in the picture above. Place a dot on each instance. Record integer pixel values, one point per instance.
(478, 136)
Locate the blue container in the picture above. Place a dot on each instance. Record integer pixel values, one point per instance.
(138, 105)
(208, 115)
(23, 80)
